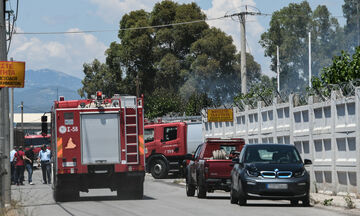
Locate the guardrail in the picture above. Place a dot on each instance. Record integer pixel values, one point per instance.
(327, 132)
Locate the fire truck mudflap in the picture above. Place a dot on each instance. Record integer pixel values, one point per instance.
(98, 144)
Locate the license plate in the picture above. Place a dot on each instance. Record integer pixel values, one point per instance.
(277, 186)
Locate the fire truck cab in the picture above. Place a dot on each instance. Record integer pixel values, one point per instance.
(98, 143)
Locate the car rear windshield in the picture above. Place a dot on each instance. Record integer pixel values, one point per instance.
(272, 154)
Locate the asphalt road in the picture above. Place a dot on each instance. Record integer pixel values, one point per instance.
(162, 198)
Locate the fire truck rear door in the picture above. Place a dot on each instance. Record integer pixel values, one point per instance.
(100, 138)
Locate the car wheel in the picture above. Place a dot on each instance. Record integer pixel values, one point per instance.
(242, 201)
(159, 169)
(233, 198)
(201, 191)
(241, 197)
(306, 201)
(294, 202)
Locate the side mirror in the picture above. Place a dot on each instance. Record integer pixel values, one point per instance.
(235, 160)
(189, 157)
(307, 162)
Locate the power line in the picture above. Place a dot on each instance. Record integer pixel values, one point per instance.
(121, 29)
(148, 27)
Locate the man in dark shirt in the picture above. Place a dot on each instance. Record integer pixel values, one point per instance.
(29, 164)
(20, 166)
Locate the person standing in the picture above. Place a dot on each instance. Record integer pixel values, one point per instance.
(29, 164)
(44, 159)
(20, 166)
(12, 164)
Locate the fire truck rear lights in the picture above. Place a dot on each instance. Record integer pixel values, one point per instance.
(98, 95)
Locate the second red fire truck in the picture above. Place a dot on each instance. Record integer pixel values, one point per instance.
(167, 144)
(98, 143)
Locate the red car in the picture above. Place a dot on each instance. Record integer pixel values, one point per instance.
(210, 168)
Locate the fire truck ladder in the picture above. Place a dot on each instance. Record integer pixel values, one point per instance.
(131, 135)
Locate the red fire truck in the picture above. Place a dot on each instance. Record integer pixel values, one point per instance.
(167, 145)
(98, 143)
(37, 141)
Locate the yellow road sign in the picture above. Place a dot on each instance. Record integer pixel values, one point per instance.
(220, 115)
(12, 74)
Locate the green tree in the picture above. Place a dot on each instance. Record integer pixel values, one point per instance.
(215, 67)
(289, 29)
(327, 38)
(351, 10)
(262, 90)
(344, 69)
(168, 72)
(196, 102)
(162, 102)
(135, 51)
(253, 69)
(194, 63)
(97, 78)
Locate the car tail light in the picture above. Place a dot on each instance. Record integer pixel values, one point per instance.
(206, 168)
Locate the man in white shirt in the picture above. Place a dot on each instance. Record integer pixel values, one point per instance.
(44, 159)
(12, 164)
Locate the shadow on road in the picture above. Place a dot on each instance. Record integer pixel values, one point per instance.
(218, 197)
(107, 198)
(271, 205)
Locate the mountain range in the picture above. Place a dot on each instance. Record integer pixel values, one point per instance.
(42, 88)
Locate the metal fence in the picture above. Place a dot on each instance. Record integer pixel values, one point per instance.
(327, 132)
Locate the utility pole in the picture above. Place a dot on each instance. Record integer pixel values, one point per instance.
(358, 23)
(11, 115)
(22, 116)
(243, 53)
(4, 119)
(310, 84)
(242, 19)
(278, 68)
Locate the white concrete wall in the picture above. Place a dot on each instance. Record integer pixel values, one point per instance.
(328, 133)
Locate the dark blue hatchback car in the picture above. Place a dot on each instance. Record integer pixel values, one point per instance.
(270, 171)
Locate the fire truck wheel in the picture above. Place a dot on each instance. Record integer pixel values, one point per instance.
(66, 195)
(58, 197)
(159, 169)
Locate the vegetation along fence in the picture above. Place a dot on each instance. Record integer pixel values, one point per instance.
(325, 131)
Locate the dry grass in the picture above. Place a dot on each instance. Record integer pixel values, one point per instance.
(15, 209)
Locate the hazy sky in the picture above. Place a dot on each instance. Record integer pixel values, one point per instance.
(68, 52)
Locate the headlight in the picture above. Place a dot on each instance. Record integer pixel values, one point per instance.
(299, 173)
(252, 173)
